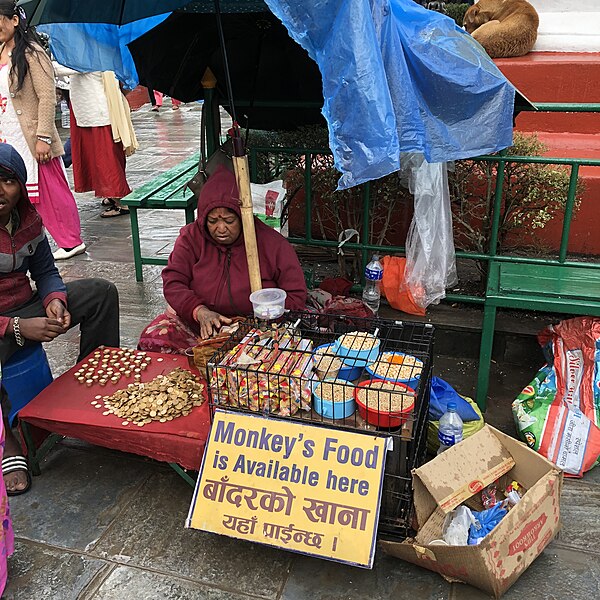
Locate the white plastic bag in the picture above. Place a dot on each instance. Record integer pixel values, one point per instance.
(456, 526)
(430, 256)
(267, 201)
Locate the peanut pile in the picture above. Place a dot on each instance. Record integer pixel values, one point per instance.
(358, 340)
(385, 396)
(397, 367)
(334, 391)
(162, 399)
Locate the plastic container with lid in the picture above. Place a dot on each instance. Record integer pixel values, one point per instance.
(268, 303)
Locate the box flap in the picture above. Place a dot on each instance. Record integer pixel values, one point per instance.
(465, 469)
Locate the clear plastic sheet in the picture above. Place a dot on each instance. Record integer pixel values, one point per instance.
(399, 78)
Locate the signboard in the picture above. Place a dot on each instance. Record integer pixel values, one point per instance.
(300, 487)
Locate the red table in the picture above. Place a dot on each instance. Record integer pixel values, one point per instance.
(65, 408)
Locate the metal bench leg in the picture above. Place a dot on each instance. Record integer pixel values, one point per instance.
(34, 463)
(183, 474)
(485, 356)
(135, 240)
(189, 215)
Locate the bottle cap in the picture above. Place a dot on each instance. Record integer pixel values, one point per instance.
(451, 406)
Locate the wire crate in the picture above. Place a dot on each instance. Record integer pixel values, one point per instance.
(314, 368)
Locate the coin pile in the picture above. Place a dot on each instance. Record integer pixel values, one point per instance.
(110, 364)
(162, 399)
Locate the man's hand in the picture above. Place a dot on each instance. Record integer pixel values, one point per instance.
(56, 310)
(40, 329)
(210, 322)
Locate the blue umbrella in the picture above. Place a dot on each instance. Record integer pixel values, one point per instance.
(89, 47)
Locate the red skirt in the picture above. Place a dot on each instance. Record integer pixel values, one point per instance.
(98, 161)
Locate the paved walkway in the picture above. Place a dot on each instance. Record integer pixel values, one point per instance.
(102, 525)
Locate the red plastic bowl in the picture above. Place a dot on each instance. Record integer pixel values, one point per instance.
(380, 418)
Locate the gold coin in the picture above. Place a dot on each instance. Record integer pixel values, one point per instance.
(125, 423)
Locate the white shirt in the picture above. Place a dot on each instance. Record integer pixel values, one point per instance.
(88, 99)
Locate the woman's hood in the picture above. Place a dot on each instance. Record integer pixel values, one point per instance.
(220, 190)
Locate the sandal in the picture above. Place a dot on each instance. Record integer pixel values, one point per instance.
(108, 202)
(10, 464)
(114, 211)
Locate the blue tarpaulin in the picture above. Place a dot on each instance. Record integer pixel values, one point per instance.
(89, 47)
(399, 78)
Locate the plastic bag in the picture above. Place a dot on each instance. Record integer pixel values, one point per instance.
(457, 526)
(393, 286)
(485, 521)
(558, 413)
(442, 393)
(267, 203)
(430, 256)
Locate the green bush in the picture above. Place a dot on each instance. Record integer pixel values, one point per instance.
(457, 12)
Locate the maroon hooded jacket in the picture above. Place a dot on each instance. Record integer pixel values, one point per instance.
(203, 272)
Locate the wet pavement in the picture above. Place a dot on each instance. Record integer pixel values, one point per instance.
(103, 525)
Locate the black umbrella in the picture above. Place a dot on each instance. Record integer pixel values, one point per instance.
(116, 12)
(272, 77)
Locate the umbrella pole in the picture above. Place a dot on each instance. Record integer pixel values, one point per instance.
(242, 175)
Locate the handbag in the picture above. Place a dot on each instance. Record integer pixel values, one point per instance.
(221, 156)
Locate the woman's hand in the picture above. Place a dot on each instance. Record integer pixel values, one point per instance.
(210, 322)
(56, 310)
(40, 329)
(42, 152)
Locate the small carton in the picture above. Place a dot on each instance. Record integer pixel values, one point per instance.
(458, 475)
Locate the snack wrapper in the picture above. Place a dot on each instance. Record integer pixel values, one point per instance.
(265, 374)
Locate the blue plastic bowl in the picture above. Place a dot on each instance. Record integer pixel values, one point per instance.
(333, 410)
(351, 371)
(411, 382)
(367, 355)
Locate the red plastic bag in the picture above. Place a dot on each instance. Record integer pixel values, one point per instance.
(394, 286)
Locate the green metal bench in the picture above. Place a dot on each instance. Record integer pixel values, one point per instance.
(559, 288)
(553, 285)
(167, 191)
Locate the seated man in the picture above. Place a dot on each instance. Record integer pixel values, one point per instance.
(28, 316)
(206, 281)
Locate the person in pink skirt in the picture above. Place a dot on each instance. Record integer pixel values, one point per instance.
(27, 112)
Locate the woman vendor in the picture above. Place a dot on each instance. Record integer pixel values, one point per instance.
(206, 280)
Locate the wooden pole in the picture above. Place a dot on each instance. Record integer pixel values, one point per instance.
(242, 175)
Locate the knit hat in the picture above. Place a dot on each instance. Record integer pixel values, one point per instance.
(10, 160)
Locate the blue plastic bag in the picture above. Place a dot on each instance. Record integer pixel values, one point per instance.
(487, 520)
(441, 394)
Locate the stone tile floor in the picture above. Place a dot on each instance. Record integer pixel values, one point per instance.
(102, 525)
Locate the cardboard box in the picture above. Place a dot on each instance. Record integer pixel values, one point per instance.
(459, 475)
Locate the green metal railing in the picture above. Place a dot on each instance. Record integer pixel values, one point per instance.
(365, 247)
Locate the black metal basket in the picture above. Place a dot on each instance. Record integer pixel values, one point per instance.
(279, 381)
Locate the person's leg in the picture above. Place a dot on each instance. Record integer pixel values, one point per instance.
(18, 480)
(158, 100)
(94, 305)
(176, 103)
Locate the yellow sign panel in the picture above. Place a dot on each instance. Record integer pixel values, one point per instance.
(300, 487)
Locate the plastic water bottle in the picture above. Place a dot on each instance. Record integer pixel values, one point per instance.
(65, 115)
(373, 276)
(451, 428)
